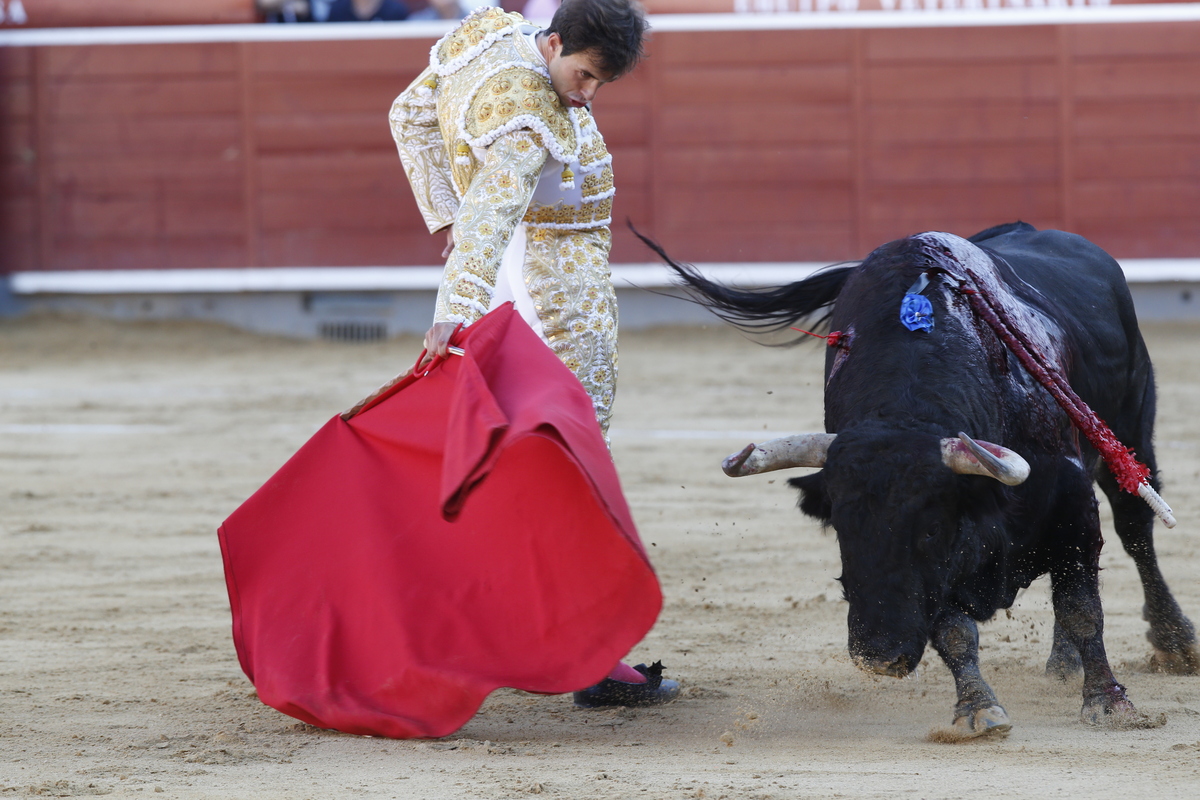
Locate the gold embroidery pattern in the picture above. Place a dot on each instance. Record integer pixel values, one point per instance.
(515, 91)
(592, 151)
(568, 277)
(598, 183)
(499, 192)
(588, 215)
(473, 31)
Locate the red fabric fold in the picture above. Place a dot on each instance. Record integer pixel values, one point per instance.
(464, 532)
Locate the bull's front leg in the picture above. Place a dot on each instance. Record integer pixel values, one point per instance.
(1078, 614)
(977, 713)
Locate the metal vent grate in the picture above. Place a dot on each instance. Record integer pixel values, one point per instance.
(353, 331)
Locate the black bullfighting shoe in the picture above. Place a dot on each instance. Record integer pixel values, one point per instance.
(608, 692)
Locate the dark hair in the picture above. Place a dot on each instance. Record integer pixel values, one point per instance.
(614, 29)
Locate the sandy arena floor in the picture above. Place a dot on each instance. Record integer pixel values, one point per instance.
(122, 447)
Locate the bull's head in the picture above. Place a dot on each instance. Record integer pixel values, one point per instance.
(908, 526)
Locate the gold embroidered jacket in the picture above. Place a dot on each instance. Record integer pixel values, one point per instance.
(486, 144)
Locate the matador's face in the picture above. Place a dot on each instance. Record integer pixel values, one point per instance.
(576, 78)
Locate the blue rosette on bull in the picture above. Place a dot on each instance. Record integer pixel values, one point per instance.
(951, 466)
(916, 311)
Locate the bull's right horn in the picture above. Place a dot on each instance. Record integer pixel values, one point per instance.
(798, 450)
(966, 456)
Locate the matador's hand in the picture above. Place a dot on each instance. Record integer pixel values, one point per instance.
(437, 341)
(449, 242)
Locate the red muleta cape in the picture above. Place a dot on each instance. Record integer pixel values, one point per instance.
(465, 531)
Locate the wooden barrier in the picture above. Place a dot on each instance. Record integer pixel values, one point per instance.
(743, 145)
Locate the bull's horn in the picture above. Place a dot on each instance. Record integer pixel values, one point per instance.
(966, 456)
(799, 450)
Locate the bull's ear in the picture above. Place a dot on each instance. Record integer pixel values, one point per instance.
(814, 501)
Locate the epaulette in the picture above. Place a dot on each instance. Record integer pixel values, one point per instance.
(478, 31)
(516, 96)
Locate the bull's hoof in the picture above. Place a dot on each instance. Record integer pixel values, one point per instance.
(1186, 662)
(992, 721)
(1120, 715)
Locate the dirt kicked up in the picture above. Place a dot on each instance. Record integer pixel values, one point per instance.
(122, 447)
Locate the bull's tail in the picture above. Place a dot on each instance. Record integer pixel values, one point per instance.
(761, 310)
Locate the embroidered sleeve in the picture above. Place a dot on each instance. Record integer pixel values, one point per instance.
(423, 152)
(492, 206)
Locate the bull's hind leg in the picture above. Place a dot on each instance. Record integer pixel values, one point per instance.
(1171, 633)
(977, 713)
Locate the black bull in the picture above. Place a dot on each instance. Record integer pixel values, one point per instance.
(929, 550)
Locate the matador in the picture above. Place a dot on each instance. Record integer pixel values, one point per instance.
(501, 149)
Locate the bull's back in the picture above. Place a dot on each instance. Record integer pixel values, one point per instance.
(1082, 288)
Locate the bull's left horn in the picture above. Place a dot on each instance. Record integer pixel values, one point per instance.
(799, 450)
(966, 456)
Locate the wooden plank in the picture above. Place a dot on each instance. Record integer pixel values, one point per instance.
(749, 123)
(1140, 158)
(146, 97)
(794, 241)
(1024, 43)
(326, 95)
(326, 210)
(150, 215)
(399, 59)
(1130, 119)
(962, 83)
(307, 248)
(978, 121)
(918, 205)
(758, 205)
(347, 133)
(1142, 78)
(671, 49)
(86, 216)
(16, 100)
(375, 173)
(18, 219)
(1142, 238)
(1155, 199)
(204, 215)
(147, 61)
(17, 140)
(757, 83)
(82, 13)
(625, 126)
(140, 252)
(1156, 39)
(152, 138)
(134, 175)
(18, 178)
(964, 224)
(755, 164)
(632, 169)
(963, 162)
(629, 90)
(16, 63)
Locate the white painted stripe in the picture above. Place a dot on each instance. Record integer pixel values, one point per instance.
(665, 23)
(220, 281)
(77, 429)
(402, 279)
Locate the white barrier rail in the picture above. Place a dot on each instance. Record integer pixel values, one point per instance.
(377, 279)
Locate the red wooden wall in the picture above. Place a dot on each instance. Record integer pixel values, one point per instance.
(803, 145)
